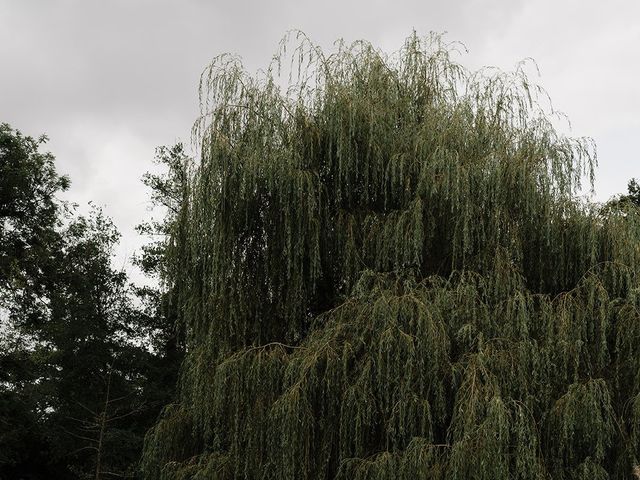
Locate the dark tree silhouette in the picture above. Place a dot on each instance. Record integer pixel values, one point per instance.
(79, 382)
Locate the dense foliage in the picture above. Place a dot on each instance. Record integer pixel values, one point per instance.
(385, 272)
(29, 212)
(79, 383)
(633, 194)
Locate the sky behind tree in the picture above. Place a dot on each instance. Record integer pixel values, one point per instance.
(110, 81)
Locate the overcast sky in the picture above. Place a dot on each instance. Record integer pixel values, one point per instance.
(110, 80)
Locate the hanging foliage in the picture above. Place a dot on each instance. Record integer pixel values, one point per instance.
(384, 271)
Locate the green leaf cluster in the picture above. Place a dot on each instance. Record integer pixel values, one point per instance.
(383, 270)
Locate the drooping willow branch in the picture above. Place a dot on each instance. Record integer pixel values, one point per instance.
(384, 271)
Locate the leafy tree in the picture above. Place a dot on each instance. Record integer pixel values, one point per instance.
(79, 385)
(625, 202)
(158, 315)
(28, 208)
(87, 356)
(29, 217)
(168, 190)
(81, 376)
(385, 272)
(23, 444)
(633, 192)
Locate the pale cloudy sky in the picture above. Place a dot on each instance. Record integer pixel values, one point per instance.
(109, 80)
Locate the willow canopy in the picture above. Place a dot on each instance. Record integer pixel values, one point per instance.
(385, 271)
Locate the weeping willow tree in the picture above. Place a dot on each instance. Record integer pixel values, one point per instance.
(384, 270)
